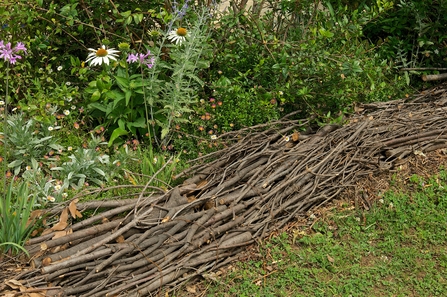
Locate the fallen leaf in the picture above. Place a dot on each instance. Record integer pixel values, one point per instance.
(190, 198)
(191, 289)
(209, 204)
(46, 261)
(419, 153)
(62, 233)
(14, 284)
(72, 208)
(62, 221)
(295, 136)
(120, 239)
(166, 219)
(78, 214)
(202, 183)
(330, 259)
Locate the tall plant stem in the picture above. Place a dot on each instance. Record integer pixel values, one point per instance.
(5, 124)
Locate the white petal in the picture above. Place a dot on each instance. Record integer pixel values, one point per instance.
(96, 61)
(106, 60)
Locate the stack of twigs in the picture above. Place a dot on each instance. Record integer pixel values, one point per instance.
(236, 196)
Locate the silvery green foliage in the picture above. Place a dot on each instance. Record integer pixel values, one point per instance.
(86, 165)
(26, 141)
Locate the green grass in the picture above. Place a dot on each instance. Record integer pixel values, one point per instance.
(398, 248)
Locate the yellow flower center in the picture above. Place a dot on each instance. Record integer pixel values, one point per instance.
(181, 32)
(101, 52)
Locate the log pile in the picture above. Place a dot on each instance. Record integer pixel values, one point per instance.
(233, 197)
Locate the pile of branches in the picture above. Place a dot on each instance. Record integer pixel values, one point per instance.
(231, 199)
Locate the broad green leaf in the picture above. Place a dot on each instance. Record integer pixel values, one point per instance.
(95, 96)
(99, 106)
(115, 134)
(123, 83)
(128, 95)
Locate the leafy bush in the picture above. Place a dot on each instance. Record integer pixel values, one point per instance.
(27, 142)
(306, 56)
(407, 33)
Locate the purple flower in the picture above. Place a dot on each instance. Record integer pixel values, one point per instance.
(9, 54)
(146, 59)
(132, 58)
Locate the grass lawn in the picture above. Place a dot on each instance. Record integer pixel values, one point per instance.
(397, 248)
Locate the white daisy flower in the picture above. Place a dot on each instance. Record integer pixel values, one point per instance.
(178, 36)
(59, 68)
(57, 187)
(70, 148)
(50, 128)
(66, 112)
(2, 102)
(213, 137)
(50, 198)
(97, 57)
(68, 83)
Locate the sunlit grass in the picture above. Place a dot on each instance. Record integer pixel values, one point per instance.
(398, 248)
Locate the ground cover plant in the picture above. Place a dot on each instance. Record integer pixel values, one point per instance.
(99, 94)
(396, 248)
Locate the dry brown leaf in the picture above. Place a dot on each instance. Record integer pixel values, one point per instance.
(190, 198)
(62, 221)
(105, 220)
(330, 259)
(35, 214)
(72, 208)
(202, 183)
(209, 204)
(191, 289)
(120, 239)
(36, 232)
(62, 233)
(46, 261)
(295, 136)
(166, 219)
(358, 109)
(14, 284)
(78, 214)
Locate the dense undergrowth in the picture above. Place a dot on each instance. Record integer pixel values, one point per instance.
(179, 75)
